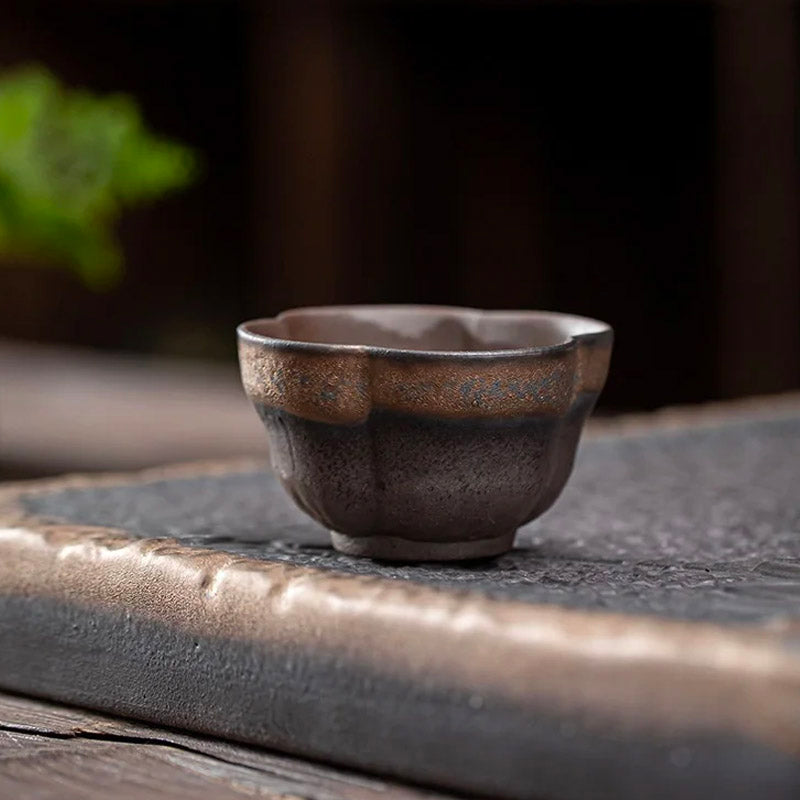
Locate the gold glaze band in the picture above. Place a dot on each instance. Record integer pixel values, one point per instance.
(343, 386)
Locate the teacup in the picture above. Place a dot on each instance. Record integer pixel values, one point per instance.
(423, 432)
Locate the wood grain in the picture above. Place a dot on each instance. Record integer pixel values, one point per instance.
(52, 751)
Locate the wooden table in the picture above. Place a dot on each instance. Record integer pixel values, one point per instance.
(59, 752)
(642, 640)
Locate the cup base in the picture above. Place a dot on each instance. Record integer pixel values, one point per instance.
(396, 548)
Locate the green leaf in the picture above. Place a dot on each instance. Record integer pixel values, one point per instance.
(70, 163)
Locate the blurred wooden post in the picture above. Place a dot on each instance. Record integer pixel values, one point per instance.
(298, 147)
(757, 204)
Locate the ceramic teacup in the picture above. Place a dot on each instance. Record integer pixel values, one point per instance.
(423, 432)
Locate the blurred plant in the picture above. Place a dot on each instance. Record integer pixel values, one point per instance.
(70, 161)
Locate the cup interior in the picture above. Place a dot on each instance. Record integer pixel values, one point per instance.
(425, 328)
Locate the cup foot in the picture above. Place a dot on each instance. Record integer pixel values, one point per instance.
(395, 548)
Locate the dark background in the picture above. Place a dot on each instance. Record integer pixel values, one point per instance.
(634, 162)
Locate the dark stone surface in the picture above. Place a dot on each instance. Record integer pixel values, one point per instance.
(321, 705)
(698, 524)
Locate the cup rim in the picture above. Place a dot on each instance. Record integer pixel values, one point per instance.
(586, 329)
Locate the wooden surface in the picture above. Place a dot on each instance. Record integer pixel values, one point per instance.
(641, 640)
(68, 409)
(53, 751)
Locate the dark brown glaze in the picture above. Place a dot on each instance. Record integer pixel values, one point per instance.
(423, 433)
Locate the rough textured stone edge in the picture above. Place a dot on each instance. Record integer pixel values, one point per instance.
(642, 674)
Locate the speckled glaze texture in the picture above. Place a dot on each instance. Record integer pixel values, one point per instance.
(416, 432)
